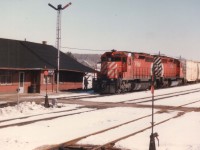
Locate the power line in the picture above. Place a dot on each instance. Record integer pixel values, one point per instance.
(83, 49)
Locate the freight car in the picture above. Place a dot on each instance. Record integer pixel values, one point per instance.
(191, 70)
(129, 71)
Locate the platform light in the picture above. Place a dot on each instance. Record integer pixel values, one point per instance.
(58, 32)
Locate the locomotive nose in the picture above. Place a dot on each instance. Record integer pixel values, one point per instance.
(109, 69)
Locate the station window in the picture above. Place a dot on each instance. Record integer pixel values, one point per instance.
(70, 77)
(5, 77)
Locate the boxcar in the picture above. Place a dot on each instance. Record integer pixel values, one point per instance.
(191, 70)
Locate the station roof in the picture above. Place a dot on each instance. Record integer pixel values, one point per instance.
(16, 54)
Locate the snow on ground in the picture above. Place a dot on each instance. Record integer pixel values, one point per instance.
(124, 130)
(65, 128)
(141, 94)
(31, 108)
(177, 134)
(182, 99)
(194, 105)
(61, 94)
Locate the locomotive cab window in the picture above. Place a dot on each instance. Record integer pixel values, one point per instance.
(123, 59)
(148, 59)
(116, 59)
(141, 57)
(103, 59)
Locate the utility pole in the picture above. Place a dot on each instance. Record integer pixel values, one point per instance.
(58, 36)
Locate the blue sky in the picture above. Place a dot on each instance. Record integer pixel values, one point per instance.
(169, 26)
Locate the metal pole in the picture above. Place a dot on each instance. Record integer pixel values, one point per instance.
(46, 85)
(18, 98)
(58, 47)
(152, 145)
(58, 32)
(46, 104)
(152, 137)
(152, 111)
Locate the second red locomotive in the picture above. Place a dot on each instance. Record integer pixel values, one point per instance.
(129, 71)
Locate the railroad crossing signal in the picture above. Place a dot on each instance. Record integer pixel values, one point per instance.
(157, 67)
(157, 72)
(46, 73)
(152, 85)
(46, 102)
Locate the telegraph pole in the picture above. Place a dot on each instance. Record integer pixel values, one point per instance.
(58, 36)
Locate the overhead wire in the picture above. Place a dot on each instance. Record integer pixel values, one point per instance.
(86, 49)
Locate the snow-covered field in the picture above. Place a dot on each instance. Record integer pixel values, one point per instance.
(180, 133)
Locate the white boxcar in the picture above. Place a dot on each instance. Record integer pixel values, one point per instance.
(198, 71)
(192, 71)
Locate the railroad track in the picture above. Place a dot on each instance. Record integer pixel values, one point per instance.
(136, 101)
(73, 144)
(29, 116)
(161, 96)
(23, 121)
(77, 97)
(95, 133)
(110, 144)
(41, 99)
(82, 97)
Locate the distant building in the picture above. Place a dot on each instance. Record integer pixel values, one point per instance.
(98, 66)
(22, 65)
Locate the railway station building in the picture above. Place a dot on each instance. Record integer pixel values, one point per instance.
(23, 63)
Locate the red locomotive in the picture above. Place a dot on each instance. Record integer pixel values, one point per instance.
(128, 71)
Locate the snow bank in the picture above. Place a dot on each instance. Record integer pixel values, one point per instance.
(30, 108)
